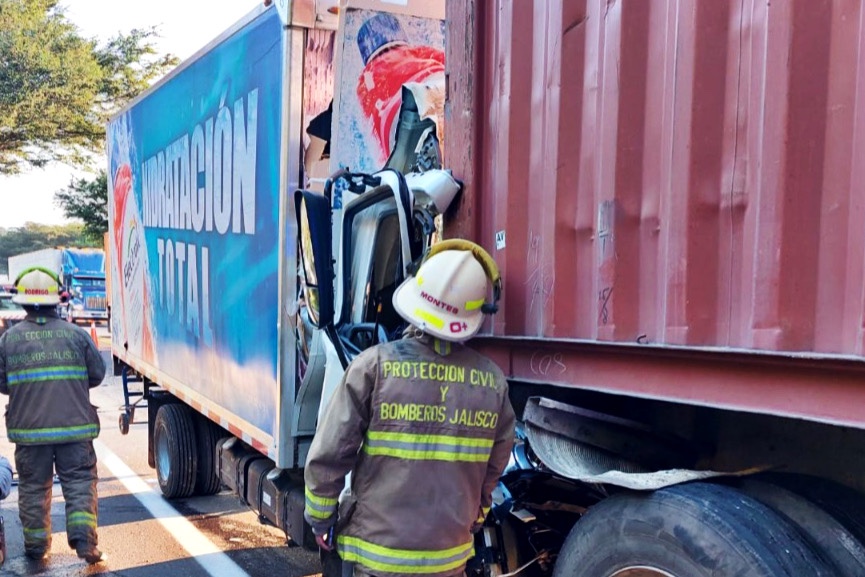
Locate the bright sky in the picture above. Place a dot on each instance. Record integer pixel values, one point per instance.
(184, 26)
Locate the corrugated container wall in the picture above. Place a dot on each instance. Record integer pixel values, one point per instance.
(673, 172)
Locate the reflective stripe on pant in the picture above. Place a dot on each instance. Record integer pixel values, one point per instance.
(76, 467)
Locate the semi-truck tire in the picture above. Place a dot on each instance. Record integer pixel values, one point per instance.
(843, 503)
(691, 530)
(836, 543)
(207, 434)
(175, 450)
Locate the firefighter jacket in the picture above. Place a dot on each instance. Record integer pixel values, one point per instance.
(47, 367)
(426, 428)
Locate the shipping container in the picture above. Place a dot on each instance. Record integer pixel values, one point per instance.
(50, 258)
(673, 194)
(675, 177)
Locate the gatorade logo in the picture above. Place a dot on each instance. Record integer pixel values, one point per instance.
(439, 303)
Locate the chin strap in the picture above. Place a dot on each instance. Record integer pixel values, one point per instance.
(482, 256)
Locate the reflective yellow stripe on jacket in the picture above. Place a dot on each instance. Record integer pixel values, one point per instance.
(387, 559)
(54, 434)
(319, 508)
(427, 447)
(56, 373)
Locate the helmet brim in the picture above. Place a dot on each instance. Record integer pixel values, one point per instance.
(417, 311)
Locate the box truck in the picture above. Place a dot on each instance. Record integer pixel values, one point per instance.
(82, 274)
(673, 194)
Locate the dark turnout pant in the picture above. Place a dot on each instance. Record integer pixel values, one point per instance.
(76, 467)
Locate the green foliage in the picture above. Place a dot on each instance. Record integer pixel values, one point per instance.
(57, 88)
(87, 201)
(129, 64)
(34, 236)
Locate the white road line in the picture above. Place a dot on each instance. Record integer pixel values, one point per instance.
(199, 547)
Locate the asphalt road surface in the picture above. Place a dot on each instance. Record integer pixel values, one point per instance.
(143, 534)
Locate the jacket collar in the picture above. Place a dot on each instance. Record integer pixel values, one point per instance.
(440, 346)
(40, 315)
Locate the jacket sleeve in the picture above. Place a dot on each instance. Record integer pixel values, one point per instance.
(4, 382)
(94, 362)
(337, 440)
(501, 452)
(5, 478)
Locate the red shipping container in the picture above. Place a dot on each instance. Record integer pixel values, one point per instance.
(679, 176)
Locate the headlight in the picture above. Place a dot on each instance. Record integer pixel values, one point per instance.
(78, 307)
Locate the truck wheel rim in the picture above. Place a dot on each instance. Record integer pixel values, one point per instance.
(163, 462)
(641, 571)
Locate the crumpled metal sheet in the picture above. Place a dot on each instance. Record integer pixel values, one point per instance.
(588, 464)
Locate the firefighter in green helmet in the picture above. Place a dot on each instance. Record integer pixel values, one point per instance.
(47, 367)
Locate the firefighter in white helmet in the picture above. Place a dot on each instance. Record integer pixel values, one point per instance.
(424, 425)
(47, 367)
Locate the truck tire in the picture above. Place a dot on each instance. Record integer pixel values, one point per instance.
(842, 503)
(841, 548)
(691, 530)
(123, 423)
(207, 434)
(175, 450)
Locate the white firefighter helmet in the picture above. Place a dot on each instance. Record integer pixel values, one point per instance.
(447, 296)
(37, 286)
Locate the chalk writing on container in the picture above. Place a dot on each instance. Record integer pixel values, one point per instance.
(542, 277)
(546, 364)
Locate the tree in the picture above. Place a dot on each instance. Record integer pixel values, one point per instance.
(57, 88)
(87, 201)
(34, 236)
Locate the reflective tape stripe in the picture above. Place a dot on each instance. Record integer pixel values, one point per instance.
(319, 507)
(427, 447)
(482, 515)
(430, 318)
(387, 559)
(47, 374)
(474, 305)
(79, 518)
(36, 538)
(55, 435)
(442, 347)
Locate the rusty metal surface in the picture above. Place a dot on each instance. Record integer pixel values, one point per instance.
(674, 172)
(822, 390)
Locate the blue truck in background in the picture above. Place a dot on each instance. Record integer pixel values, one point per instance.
(82, 274)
